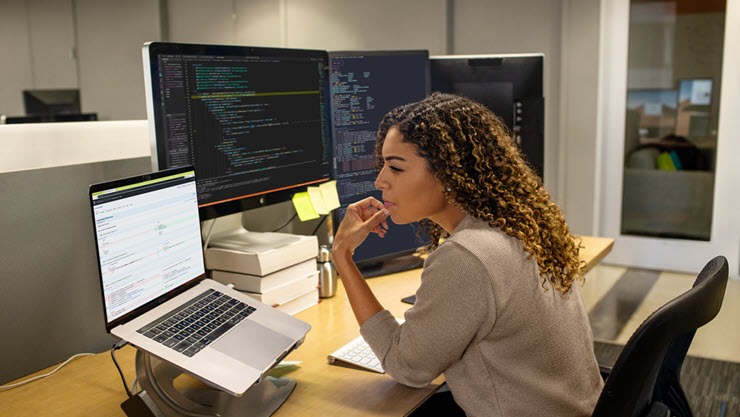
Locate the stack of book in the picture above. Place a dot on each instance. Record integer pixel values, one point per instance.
(275, 268)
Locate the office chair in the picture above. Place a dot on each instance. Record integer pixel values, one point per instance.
(645, 380)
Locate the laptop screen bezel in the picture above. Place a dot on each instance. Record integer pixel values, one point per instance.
(170, 294)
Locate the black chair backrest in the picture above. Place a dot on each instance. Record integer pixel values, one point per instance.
(649, 366)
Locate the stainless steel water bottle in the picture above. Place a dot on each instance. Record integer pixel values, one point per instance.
(327, 273)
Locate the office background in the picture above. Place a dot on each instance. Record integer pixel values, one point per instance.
(47, 253)
(104, 39)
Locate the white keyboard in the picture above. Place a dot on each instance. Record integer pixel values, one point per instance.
(358, 353)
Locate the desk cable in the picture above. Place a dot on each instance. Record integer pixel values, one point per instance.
(208, 234)
(18, 384)
(320, 223)
(113, 349)
(286, 223)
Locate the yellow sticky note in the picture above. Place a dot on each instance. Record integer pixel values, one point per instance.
(303, 206)
(317, 200)
(329, 192)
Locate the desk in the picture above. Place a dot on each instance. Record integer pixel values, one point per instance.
(90, 386)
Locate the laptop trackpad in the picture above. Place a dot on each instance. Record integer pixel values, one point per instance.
(253, 344)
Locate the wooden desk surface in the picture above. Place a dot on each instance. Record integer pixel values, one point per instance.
(90, 386)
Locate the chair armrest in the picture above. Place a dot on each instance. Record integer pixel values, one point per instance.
(658, 409)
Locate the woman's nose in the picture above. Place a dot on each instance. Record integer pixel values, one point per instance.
(379, 181)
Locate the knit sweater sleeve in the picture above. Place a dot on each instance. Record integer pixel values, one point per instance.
(452, 304)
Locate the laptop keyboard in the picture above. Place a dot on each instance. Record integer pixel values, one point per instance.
(197, 323)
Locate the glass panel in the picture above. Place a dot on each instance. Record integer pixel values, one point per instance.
(673, 83)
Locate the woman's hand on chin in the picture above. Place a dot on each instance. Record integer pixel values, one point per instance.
(362, 218)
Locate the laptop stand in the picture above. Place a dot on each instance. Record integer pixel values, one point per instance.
(161, 398)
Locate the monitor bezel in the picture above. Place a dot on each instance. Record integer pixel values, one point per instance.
(152, 50)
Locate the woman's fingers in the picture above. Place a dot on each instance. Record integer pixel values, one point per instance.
(376, 222)
(367, 207)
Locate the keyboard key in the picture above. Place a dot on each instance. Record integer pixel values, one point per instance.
(182, 346)
(220, 331)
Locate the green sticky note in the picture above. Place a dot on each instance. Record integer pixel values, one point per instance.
(329, 192)
(303, 206)
(317, 200)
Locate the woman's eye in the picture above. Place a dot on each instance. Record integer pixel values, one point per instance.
(394, 169)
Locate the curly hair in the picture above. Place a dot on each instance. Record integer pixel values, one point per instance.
(471, 153)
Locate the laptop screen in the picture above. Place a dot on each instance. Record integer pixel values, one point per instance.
(147, 232)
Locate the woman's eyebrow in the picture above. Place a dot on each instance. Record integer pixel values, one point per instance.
(394, 158)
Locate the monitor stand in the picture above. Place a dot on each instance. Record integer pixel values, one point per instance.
(391, 266)
(161, 398)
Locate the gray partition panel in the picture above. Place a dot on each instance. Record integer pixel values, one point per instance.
(50, 302)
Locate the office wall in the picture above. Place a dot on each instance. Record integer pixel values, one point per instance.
(578, 114)
(315, 24)
(109, 38)
(358, 24)
(52, 36)
(188, 21)
(15, 60)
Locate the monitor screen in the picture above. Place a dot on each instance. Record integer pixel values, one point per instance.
(694, 107)
(51, 102)
(147, 233)
(509, 85)
(365, 85)
(656, 112)
(253, 121)
(696, 92)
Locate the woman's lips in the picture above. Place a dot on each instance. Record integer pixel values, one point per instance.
(389, 205)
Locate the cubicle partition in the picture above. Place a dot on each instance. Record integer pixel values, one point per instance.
(50, 305)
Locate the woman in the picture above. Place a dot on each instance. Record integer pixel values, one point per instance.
(497, 310)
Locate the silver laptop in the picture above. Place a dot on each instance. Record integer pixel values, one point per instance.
(155, 292)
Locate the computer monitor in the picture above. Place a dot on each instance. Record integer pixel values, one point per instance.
(49, 118)
(509, 85)
(365, 85)
(694, 107)
(253, 121)
(51, 102)
(656, 112)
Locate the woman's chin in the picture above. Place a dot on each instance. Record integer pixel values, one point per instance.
(395, 218)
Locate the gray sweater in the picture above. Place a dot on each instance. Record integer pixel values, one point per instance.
(507, 345)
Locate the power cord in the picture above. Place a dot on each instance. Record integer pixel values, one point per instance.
(319, 225)
(18, 384)
(117, 346)
(286, 223)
